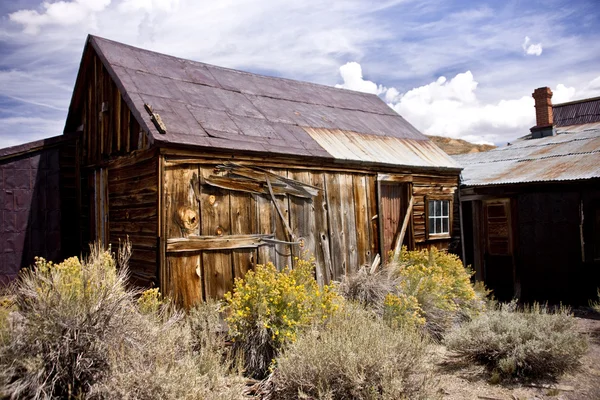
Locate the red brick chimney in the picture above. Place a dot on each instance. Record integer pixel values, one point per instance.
(543, 113)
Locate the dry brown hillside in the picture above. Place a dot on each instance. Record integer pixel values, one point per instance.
(459, 146)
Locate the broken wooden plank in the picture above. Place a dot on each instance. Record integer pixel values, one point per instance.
(400, 238)
(199, 243)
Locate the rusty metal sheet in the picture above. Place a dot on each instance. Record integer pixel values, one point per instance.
(352, 146)
(563, 157)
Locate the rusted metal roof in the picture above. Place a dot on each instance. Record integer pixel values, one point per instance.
(577, 112)
(565, 157)
(353, 146)
(209, 106)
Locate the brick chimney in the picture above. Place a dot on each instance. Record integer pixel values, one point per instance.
(543, 113)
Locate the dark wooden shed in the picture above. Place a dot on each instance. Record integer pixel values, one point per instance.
(531, 210)
(210, 171)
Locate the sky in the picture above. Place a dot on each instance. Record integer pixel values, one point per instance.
(461, 69)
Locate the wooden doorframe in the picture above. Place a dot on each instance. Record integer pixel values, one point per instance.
(405, 185)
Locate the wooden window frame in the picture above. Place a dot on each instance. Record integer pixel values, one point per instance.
(436, 236)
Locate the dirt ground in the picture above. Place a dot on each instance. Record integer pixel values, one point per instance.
(464, 382)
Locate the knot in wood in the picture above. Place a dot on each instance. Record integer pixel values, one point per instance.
(187, 219)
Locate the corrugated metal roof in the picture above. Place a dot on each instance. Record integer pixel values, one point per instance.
(209, 106)
(352, 146)
(577, 112)
(565, 157)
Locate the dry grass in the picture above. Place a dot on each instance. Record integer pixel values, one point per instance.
(355, 356)
(368, 289)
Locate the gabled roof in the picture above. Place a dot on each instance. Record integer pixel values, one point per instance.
(213, 107)
(565, 157)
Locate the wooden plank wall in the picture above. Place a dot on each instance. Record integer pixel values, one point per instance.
(133, 212)
(335, 227)
(430, 185)
(109, 128)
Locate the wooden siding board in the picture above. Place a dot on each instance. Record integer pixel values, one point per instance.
(215, 221)
(303, 224)
(266, 225)
(284, 253)
(185, 284)
(363, 224)
(371, 195)
(340, 206)
(243, 221)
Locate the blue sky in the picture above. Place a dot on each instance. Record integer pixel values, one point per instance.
(463, 69)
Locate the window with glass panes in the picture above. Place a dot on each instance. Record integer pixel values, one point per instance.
(439, 217)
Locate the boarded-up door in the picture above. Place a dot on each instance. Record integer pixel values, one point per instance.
(499, 265)
(98, 184)
(393, 209)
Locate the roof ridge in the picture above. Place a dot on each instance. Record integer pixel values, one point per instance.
(320, 85)
(568, 103)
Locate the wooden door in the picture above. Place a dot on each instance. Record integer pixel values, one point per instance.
(499, 248)
(393, 209)
(98, 184)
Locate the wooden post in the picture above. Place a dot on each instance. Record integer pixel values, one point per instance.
(400, 237)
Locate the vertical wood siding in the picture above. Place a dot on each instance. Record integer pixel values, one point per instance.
(335, 227)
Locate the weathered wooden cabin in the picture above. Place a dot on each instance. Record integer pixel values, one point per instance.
(531, 210)
(210, 170)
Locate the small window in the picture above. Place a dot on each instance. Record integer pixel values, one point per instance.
(439, 217)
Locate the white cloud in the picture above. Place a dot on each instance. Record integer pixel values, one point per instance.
(351, 73)
(149, 5)
(532, 49)
(451, 108)
(562, 94)
(63, 13)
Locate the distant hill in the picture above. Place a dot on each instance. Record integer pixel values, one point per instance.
(459, 146)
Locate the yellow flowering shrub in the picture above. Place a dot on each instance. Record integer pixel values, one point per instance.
(401, 310)
(435, 277)
(74, 280)
(150, 301)
(268, 308)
